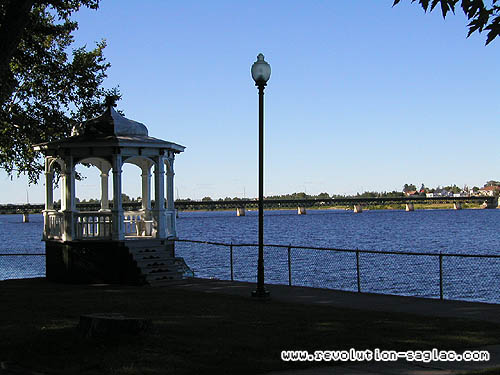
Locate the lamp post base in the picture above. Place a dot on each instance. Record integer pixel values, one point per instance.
(261, 294)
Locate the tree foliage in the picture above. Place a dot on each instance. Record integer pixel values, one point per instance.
(409, 187)
(492, 183)
(482, 17)
(46, 87)
(453, 189)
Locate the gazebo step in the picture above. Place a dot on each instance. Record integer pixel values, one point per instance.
(155, 262)
(160, 259)
(145, 251)
(152, 270)
(150, 257)
(174, 265)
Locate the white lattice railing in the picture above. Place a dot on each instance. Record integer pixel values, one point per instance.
(93, 225)
(135, 224)
(54, 225)
(98, 225)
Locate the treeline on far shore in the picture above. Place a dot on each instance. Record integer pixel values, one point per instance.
(303, 195)
(368, 207)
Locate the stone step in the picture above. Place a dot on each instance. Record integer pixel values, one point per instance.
(157, 254)
(160, 261)
(157, 264)
(146, 250)
(149, 270)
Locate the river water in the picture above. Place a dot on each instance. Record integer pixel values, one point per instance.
(427, 231)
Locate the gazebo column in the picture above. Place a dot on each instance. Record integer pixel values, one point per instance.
(146, 191)
(49, 190)
(68, 203)
(171, 228)
(117, 232)
(104, 191)
(159, 209)
(49, 197)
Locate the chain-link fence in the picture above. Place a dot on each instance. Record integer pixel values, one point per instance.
(16, 266)
(470, 277)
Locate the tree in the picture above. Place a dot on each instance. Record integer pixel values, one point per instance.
(394, 193)
(16, 16)
(45, 90)
(300, 195)
(492, 183)
(409, 187)
(323, 196)
(368, 194)
(126, 198)
(206, 199)
(481, 16)
(453, 188)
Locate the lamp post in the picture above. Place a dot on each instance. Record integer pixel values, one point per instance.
(261, 71)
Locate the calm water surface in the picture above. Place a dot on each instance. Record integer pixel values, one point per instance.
(425, 230)
(430, 231)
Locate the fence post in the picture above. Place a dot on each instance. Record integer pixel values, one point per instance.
(289, 266)
(441, 276)
(231, 260)
(357, 271)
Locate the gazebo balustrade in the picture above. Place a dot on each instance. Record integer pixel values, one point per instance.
(98, 225)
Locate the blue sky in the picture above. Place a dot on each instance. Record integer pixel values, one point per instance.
(362, 96)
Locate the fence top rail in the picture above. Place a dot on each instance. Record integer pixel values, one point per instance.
(344, 250)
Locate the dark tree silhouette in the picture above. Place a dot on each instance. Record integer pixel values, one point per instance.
(45, 88)
(482, 16)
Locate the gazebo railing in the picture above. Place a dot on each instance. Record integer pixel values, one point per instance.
(137, 225)
(54, 224)
(93, 225)
(98, 225)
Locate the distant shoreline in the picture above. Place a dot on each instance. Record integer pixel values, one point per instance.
(399, 207)
(417, 206)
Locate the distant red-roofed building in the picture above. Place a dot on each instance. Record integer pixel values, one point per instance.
(490, 190)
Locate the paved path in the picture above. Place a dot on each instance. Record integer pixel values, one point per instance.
(374, 302)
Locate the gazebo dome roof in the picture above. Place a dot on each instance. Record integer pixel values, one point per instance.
(110, 123)
(110, 129)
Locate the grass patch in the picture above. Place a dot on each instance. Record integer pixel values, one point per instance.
(198, 333)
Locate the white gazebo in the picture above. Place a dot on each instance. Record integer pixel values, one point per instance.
(96, 237)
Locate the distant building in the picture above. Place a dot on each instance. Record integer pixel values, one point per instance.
(490, 191)
(443, 193)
